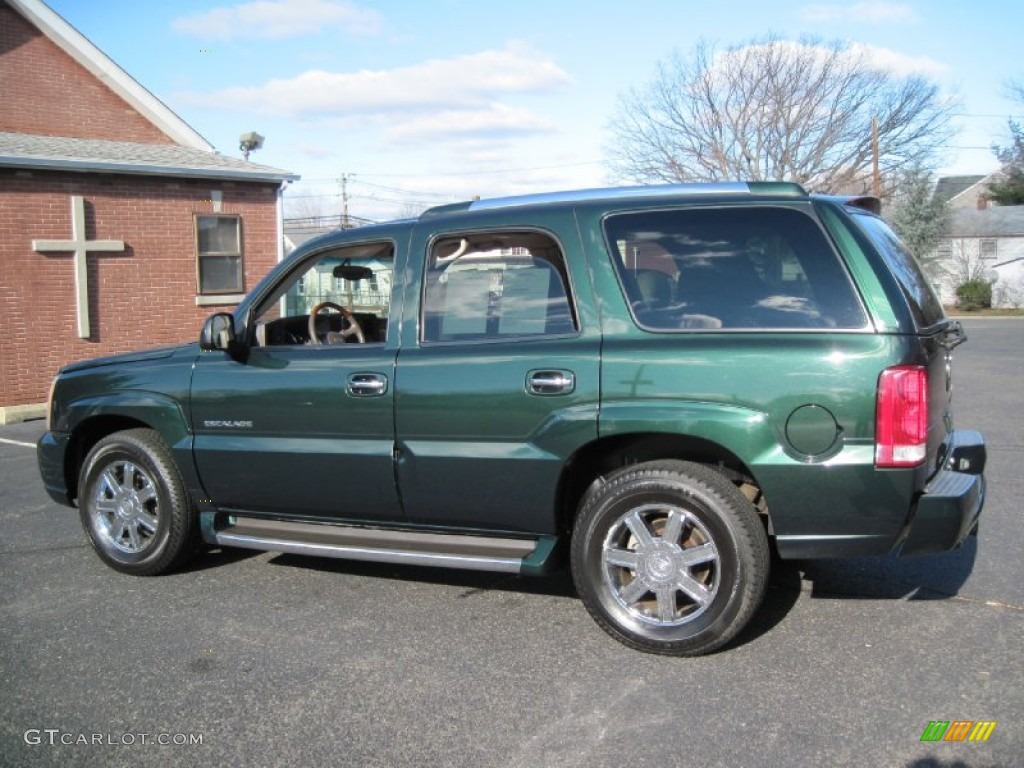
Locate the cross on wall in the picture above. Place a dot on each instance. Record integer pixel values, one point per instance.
(80, 246)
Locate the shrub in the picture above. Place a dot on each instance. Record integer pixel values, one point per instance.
(974, 295)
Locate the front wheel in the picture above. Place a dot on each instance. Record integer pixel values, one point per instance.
(669, 557)
(134, 506)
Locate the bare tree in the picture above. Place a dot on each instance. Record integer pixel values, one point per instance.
(776, 110)
(965, 263)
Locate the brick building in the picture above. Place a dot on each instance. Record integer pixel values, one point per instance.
(120, 226)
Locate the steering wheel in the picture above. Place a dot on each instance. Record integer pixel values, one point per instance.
(332, 337)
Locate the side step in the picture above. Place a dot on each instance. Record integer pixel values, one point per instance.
(479, 553)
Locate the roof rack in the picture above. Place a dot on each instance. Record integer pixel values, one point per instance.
(613, 193)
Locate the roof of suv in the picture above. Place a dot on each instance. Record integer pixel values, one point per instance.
(775, 188)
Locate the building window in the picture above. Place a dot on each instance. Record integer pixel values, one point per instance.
(945, 249)
(220, 266)
(989, 248)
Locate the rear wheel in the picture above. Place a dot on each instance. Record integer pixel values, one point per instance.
(669, 557)
(134, 506)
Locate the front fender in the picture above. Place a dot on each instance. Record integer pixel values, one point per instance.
(86, 419)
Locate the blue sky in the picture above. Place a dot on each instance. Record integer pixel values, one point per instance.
(428, 102)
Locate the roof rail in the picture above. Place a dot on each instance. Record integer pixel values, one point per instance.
(615, 193)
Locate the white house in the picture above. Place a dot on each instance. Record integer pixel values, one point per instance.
(983, 241)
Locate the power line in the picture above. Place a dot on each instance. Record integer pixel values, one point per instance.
(438, 174)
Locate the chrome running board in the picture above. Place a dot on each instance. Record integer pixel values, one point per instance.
(480, 553)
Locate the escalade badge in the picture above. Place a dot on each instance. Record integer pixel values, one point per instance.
(228, 424)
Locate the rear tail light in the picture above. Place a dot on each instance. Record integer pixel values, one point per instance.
(901, 417)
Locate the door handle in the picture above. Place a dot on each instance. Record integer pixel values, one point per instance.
(367, 384)
(550, 382)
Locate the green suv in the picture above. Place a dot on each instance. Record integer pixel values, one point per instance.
(663, 383)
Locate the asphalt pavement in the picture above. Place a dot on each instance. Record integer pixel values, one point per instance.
(254, 659)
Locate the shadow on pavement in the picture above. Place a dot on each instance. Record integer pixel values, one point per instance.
(934, 762)
(555, 584)
(922, 577)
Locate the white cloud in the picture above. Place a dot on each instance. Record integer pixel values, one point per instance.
(313, 150)
(279, 19)
(898, 63)
(869, 12)
(464, 81)
(497, 121)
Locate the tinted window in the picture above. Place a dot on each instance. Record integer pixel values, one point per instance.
(741, 267)
(495, 285)
(921, 296)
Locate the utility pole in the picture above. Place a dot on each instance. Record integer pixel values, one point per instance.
(344, 201)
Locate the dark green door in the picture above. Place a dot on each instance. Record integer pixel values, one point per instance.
(298, 430)
(304, 423)
(497, 382)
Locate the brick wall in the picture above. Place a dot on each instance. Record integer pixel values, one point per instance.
(44, 91)
(143, 297)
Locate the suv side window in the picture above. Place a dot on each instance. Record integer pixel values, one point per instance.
(488, 286)
(737, 267)
(355, 278)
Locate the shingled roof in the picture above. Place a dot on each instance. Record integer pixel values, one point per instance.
(192, 155)
(949, 187)
(94, 155)
(995, 221)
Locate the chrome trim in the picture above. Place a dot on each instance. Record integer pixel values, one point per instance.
(482, 553)
(437, 560)
(550, 382)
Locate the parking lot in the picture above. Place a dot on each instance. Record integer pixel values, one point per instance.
(267, 659)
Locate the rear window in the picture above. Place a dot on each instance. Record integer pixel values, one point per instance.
(916, 286)
(738, 267)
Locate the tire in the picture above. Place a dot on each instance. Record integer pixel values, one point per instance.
(134, 506)
(669, 557)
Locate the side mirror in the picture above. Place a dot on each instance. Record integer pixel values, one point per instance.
(218, 333)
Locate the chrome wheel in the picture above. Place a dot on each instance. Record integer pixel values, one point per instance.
(669, 557)
(125, 507)
(661, 565)
(134, 506)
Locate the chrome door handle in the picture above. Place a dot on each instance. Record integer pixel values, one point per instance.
(367, 384)
(550, 382)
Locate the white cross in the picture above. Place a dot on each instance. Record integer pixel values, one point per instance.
(80, 247)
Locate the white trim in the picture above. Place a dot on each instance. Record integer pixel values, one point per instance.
(93, 166)
(79, 48)
(280, 222)
(216, 300)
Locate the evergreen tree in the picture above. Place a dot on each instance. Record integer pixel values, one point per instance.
(1009, 190)
(917, 216)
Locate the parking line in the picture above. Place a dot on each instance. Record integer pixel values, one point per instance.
(17, 442)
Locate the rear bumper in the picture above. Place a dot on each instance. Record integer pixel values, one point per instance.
(950, 505)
